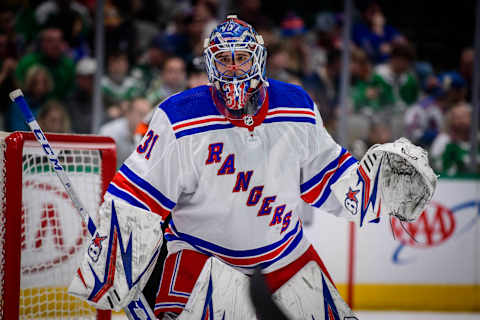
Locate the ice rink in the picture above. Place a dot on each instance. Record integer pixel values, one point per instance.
(397, 315)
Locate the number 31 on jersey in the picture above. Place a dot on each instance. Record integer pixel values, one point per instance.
(148, 144)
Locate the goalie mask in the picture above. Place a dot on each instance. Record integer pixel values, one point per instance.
(235, 59)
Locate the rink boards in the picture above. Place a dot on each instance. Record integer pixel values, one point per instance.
(439, 270)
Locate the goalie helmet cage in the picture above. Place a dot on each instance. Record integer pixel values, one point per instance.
(42, 238)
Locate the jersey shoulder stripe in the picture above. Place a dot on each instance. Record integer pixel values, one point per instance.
(189, 104)
(147, 187)
(122, 183)
(138, 192)
(282, 94)
(289, 103)
(316, 190)
(199, 125)
(192, 111)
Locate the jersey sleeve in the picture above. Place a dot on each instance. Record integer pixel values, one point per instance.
(154, 175)
(325, 163)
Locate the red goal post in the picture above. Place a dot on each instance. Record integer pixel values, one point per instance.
(42, 238)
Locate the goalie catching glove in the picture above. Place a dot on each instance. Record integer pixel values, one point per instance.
(391, 179)
(120, 257)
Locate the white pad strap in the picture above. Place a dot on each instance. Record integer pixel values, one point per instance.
(120, 257)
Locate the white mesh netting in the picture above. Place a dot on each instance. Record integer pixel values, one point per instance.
(53, 235)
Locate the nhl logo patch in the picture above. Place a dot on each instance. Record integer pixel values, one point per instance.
(248, 120)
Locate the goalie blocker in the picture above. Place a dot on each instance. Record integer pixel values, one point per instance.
(391, 179)
(120, 257)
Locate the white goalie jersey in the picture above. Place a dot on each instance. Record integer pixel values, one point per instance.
(234, 192)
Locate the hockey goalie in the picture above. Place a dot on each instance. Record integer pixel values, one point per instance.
(234, 163)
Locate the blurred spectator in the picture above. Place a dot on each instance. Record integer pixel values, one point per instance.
(374, 131)
(196, 75)
(379, 133)
(454, 86)
(143, 15)
(7, 29)
(120, 32)
(450, 150)
(80, 103)
(187, 38)
(278, 62)
(117, 84)
(206, 12)
(327, 35)
(368, 91)
(122, 130)
(38, 86)
(8, 63)
(466, 70)
(331, 79)
(151, 62)
(323, 85)
(172, 80)
(73, 18)
(374, 35)
(168, 11)
(51, 55)
(269, 33)
(299, 53)
(398, 82)
(251, 11)
(425, 119)
(25, 28)
(53, 117)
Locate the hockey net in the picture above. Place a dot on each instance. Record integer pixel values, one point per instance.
(42, 238)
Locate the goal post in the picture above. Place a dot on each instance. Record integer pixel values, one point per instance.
(42, 238)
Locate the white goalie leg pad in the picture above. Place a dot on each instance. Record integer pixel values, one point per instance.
(221, 292)
(309, 294)
(120, 256)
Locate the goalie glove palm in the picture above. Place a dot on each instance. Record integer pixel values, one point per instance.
(392, 179)
(407, 181)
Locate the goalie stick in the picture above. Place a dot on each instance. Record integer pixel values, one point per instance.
(137, 309)
(262, 300)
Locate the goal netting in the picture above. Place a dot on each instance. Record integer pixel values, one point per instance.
(42, 238)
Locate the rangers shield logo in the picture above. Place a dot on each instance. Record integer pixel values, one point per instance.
(351, 201)
(95, 247)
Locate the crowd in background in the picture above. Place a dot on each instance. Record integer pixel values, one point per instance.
(154, 49)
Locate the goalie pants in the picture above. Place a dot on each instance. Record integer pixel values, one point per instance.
(182, 269)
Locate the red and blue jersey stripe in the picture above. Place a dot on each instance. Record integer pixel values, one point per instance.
(201, 124)
(193, 111)
(249, 259)
(316, 190)
(286, 114)
(130, 187)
